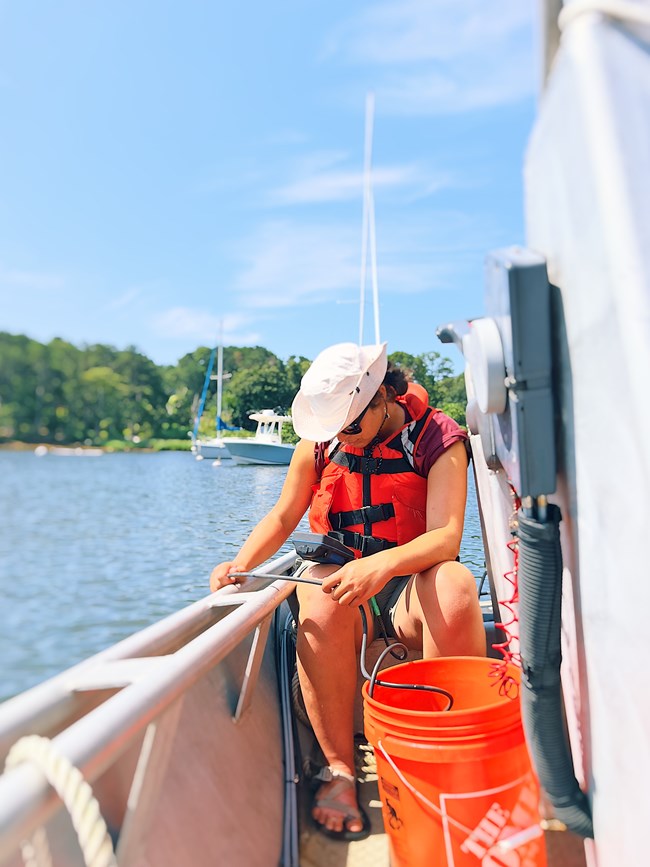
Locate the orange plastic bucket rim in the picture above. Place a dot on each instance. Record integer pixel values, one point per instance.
(448, 672)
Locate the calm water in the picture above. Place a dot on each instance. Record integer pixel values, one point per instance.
(93, 549)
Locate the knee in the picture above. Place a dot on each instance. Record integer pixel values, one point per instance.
(452, 618)
(324, 628)
(320, 616)
(455, 588)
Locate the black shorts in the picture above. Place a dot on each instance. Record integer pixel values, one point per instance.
(387, 600)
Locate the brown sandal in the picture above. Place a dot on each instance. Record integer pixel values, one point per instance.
(342, 782)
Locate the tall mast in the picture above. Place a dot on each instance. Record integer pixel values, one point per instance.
(368, 226)
(206, 383)
(219, 376)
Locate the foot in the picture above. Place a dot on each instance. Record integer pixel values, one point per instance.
(336, 808)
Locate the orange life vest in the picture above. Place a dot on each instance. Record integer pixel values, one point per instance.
(372, 499)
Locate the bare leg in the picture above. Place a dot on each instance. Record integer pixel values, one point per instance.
(328, 638)
(439, 612)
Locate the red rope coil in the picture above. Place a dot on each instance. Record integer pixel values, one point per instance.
(507, 684)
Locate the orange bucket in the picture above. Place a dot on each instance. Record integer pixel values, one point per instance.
(457, 786)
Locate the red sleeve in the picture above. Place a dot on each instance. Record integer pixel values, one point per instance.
(441, 433)
(320, 452)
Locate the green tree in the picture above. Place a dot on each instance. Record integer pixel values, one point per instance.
(296, 367)
(183, 385)
(21, 394)
(248, 357)
(251, 390)
(104, 395)
(144, 406)
(435, 373)
(64, 367)
(57, 392)
(453, 399)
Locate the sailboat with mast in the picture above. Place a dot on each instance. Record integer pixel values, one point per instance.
(211, 447)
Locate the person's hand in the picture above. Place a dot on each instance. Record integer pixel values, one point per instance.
(356, 581)
(221, 575)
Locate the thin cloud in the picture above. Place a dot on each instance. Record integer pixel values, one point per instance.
(340, 186)
(442, 57)
(203, 326)
(34, 280)
(125, 299)
(411, 31)
(320, 161)
(322, 177)
(289, 263)
(287, 137)
(468, 90)
(237, 175)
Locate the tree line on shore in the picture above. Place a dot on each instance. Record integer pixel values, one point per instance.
(98, 395)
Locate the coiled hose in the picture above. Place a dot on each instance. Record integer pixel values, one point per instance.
(540, 603)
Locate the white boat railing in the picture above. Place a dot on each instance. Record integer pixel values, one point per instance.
(149, 678)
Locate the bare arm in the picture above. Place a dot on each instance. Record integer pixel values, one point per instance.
(276, 527)
(445, 513)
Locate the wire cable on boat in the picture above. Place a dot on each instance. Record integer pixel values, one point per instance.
(285, 656)
(77, 796)
(374, 681)
(390, 647)
(273, 577)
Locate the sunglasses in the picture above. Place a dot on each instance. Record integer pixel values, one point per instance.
(355, 426)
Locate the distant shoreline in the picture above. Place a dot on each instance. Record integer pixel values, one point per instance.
(111, 448)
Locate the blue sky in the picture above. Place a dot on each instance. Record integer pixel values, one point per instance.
(166, 166)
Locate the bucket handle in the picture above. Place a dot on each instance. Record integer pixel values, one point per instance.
(419, 795)
(525, 835)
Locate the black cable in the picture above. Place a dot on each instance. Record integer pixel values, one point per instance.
(285, 657)
(390, 648)
(373, 677)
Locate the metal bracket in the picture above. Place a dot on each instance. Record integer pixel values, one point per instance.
(252, 668)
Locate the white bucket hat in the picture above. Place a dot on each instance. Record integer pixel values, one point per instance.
(338, 386)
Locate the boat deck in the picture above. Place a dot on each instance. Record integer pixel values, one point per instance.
(317, 850)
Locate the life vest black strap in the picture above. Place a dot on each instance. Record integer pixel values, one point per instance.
(369, 514)
(415, 429)
(371, 466)
(366, 544)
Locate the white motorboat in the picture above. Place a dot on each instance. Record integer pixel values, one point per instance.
(266, 447)
(210, 448)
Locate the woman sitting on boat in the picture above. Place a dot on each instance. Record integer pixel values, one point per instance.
(386, 475)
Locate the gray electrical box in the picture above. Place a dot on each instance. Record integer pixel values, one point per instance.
(518, 300)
